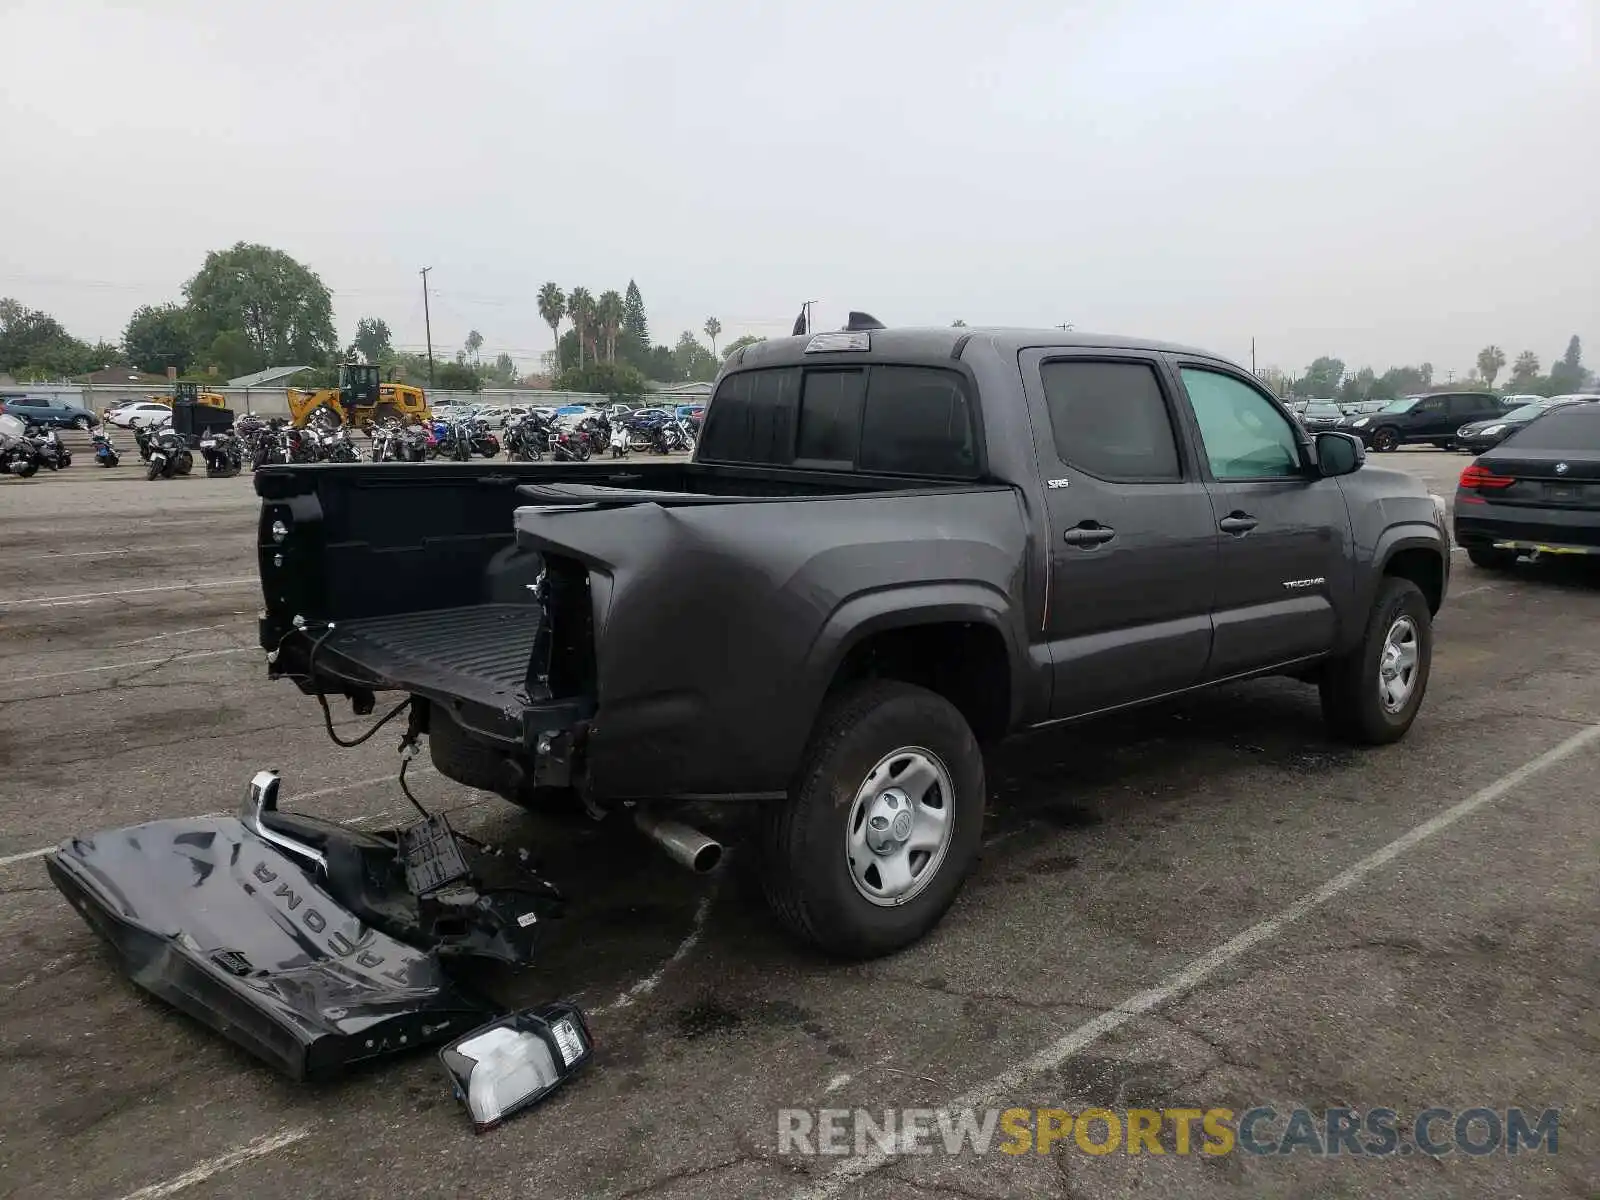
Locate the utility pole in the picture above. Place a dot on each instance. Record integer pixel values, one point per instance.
(427, 322)
(1065, 326)
(807, 308)
(1252, 356)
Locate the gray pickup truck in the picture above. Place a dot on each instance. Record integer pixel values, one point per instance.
(891, 548)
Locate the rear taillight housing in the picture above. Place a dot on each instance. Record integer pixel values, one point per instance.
(1481, 479)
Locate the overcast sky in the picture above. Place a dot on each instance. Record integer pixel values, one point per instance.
(1385, 180)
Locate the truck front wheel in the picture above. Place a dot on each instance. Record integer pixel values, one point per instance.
(1372, 694)
(883, 824)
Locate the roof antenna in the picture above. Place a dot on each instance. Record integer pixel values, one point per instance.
(860, 321)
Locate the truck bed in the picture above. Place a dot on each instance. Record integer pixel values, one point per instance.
(478, 653)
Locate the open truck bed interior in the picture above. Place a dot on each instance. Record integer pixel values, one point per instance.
(419, 571)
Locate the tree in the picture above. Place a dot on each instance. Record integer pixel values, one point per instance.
(372, 341)
(552, 307)
(280, 306)
(27, 336)
(1523, 372)
(1568, 375)
(634, 327)
(693, 360)
(739, 344)
(457, 377)
(473, 345)
(608, 321)
(1322, 378)
(617, 380)
(502, 372)
(158, 337)
(713, 327)
(662, 365)
(1490, 359)
(958, 323)
(580, 307)
(233, 354)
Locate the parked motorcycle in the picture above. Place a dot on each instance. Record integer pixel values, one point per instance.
(480, 440)
(223, 452)
(339, 447)
(528, 438)
(17, 455)
(569, 445)
(105, 451)
(169, 455)
(47, 448)
(598, 430)
(144, 437)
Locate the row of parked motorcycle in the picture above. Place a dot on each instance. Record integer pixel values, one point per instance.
(531, 437)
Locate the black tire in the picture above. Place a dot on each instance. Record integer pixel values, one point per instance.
(152, 471)
(805, 870)
(82, 423)
(1491, 558)
(1351, 704)
(185, 463)
(27, 470)
(1385, 439)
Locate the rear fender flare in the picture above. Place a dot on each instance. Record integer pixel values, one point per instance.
(866, 614)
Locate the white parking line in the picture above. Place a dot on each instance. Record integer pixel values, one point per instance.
(83, 597)
(203, 1171)
(161, 548)
(997, 1090)
(180, 632)
(138, 662)
(653, 980)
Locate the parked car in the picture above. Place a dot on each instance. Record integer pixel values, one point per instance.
(1423, 419)
(899, 573)
(1536, 492)
(1481, 436)
(1357, 408)
(1317, 415)
(142, 414)
(48, 412)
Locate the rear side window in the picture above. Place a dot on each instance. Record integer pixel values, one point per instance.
(830, 416)
(918, 421)
(1110, 420)
(752, 418)
(1570, 427)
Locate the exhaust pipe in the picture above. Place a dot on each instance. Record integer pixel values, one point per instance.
(684, 844)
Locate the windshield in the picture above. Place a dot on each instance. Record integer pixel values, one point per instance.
(1527, 412)
(1323, 408)
(1400, 404)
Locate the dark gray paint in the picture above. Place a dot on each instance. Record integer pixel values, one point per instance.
(719, 625)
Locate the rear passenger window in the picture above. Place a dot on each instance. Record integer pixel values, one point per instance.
(830, 416)
(1110, 421)
(751, 418)
(917, 422)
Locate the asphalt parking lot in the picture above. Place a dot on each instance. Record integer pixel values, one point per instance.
(1207, 905)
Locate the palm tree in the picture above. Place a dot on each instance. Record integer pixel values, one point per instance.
(713, 327)
(1490, 359)
(580, 307)
(608, 316)
(552, 307)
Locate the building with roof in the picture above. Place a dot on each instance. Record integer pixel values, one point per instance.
(267, 378)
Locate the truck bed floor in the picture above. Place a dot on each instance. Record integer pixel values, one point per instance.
(478, 653)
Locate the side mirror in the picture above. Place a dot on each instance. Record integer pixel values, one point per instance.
(1339, 454)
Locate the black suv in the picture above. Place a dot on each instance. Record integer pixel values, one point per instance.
(1434, 418)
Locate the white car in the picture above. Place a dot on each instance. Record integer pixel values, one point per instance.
(141, 413)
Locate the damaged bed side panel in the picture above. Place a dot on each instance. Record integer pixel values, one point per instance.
(239, 935)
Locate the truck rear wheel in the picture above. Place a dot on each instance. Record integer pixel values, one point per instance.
(883, 824)
(1372, 694)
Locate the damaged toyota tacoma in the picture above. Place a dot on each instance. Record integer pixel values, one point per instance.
(891, 548)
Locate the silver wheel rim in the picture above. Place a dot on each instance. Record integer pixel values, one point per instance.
(900, 826)
(1398, 663)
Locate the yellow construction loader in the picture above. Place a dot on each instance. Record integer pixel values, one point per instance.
(359, 398)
